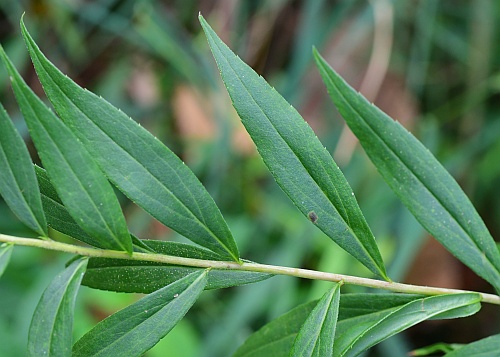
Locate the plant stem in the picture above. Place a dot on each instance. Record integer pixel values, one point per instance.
(255, 267)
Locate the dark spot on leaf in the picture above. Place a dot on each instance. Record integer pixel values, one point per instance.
(313, 217)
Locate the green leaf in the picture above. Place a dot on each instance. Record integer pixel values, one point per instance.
(417, 178)
(316, 335)
(135, 161)
(144, 323)
(86, 193)
(358, 334)
(145, 277)
(483, 348)
(434, 348)
(51, 328)
(5, 252)
(295, 157)
(18, 185)
(276, 338)
(58, 217)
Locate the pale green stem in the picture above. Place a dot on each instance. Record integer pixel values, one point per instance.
(255, 267)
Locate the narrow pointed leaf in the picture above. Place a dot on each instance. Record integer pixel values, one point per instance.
(5, 252)
(135, 161)
(58, 217)
(144, 323)
(419, 180)
(18, 185)
(276, 338)
(360, 334)
(51, 328)
(79, 182)
(145, 277)
(298, 161)
(486, 347)
(316, 335)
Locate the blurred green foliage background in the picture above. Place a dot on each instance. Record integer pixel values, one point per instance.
(433, 65)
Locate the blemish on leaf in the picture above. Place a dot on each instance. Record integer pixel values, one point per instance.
(313, 217)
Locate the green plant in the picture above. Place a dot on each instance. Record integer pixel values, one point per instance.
(92, 142)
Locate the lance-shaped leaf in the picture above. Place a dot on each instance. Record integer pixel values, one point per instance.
(51, 329)
(316, 335)
(358, 334)
(135, 161)
(5, 252)
(295, 157)
(18, 185)
(145, 277)
(419, 180)
(58, 217)
(144, 323)
(483, 348)
(79, 182)
(277, 337)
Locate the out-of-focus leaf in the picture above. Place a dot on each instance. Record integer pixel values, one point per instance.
(135, 329)
(135, 161)
(419, 180)
(276, 338)
(295, 157)
(59, 218)
(316, 335)
(145, 277)
(79, 182)
(18, 185)
(436, 347)
(51, 328)
(5, 252)
(358, 334)
(486, 347)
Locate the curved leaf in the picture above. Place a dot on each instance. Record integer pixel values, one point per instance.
(276, 338)
(5, 252)
(417, 178)
(316, 335)
(486, 347)
(300, 164)
(79, 182)
(358, 334)
(58, 217)
(145, 322)
(51, 329)
(135, 161)
(18, 185)
(145, 277)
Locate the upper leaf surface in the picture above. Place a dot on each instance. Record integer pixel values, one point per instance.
(295, 157)
(79, 182)
(419, 180)
(51, 329)
(18, 185)
(144, 323)
(316, 335)
(145, 277)
(135, 161)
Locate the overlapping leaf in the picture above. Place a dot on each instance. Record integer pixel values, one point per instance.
(358, 313)
(86, 193)
(145, 277)
(135, 329)
(18, 185)
(59, 218)
(419, 180)
(316, 335)
(298, 161)
(5, 252)
(51, 329)
(135, 161)
(486, 347)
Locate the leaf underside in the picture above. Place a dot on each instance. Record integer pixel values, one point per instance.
(135, 161)
(417, 178)
(300, 164)
(5, 253)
